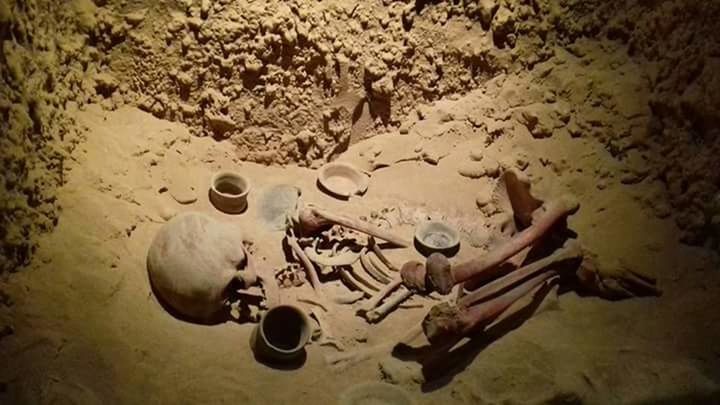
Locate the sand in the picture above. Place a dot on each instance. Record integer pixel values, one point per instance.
(116, 114)
(88, 329)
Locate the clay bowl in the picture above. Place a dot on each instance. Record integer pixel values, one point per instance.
(282, 334)
(436, 236)
(375, 393)
(342, 180)
(229, 191)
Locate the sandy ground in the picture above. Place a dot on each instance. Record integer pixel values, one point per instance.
(85, 327)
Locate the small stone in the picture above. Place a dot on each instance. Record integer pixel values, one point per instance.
(183, 195)
(662, 209)
(446, 117)
(166, 213)
(483, 199)
(221, 124)
(135, 18)
(476, 155)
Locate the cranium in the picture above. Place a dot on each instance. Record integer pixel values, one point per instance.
(192, 261)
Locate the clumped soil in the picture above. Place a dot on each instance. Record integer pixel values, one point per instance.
(116, 113)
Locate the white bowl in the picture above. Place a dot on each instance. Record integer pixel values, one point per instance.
(436, 236)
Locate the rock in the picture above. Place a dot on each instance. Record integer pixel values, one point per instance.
(483, 199)
(135, 18)
(166, 213)
(487, 9)
(105, 84)
(472, 169)
(183, 194)
(395, 371)
(538, 119)
(503, 25)
(205, 8)
(220, 124)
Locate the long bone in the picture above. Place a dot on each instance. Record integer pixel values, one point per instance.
(347, 359)
(313, 219)
(380, 295)
(445, 321)
(441, 277)
(388, 305)
(309, 267)
(571, 250)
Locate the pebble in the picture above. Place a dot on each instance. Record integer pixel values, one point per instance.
(167, 213)
(183, 195)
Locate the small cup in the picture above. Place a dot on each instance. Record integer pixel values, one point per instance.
(282, 334)
(229, 191)
(435, 236)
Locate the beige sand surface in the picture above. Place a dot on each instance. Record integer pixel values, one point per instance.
(87, 328)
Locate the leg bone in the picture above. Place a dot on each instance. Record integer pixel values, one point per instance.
(444, 321)
(442, 278)
(571, 250)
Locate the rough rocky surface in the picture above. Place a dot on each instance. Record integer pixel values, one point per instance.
(44, 63)
(298, 82)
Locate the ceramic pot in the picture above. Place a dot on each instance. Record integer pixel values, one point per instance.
(229, 191)
(435, 236)
(282, 334)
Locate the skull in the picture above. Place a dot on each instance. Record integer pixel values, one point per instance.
(192, 261)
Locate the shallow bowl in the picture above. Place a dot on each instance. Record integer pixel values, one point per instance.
(436, 236)
(342, 180)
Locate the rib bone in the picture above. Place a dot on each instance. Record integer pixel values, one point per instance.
(371, 269)
(349, 279)
(362, 276)
(443, 278)
(379, 253)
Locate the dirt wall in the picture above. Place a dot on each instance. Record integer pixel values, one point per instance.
(297, 82)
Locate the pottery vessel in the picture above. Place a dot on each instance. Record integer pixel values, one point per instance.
(229, 192)
(282, 334)
(342, 180)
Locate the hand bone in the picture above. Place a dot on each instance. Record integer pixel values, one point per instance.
(615, 282)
